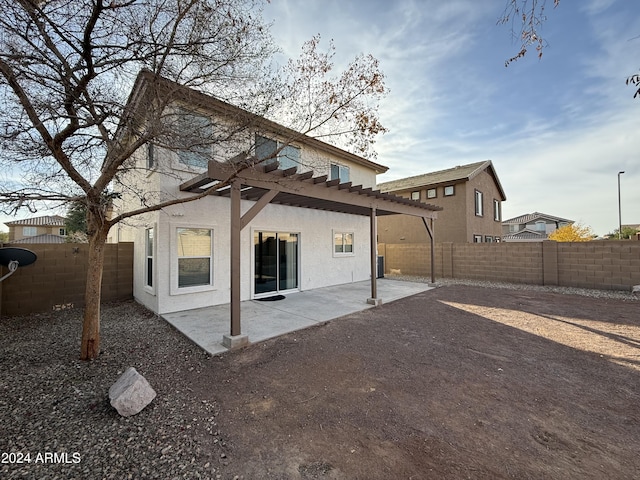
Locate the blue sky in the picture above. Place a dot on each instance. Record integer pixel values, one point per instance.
(558, 129)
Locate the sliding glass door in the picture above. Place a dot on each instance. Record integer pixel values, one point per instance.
(276, 262)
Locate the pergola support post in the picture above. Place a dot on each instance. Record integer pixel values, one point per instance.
(235, 338)
(374, 300)
(432, 248)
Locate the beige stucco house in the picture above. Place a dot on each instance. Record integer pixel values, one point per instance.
(532, 227)
(470, 195)
(45, 229)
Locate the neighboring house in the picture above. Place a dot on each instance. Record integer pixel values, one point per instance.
(46, 229)
(471, 197)
(532, 227)
(300, 223)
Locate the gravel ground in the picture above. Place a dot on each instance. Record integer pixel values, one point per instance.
(53, 403)
(55, 418)
(585, 292)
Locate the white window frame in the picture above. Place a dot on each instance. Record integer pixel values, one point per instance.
(150, 255)
(478, 202)
(343, 234)
(497, 214)
(415, 195)
(62, 232)
(344, 172)
(175, 258)
(282, 150)
(477, 238)
(29, 231)
(432, 193)
(151, 156)
(185, 157)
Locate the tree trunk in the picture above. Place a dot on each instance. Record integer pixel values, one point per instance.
(90, 347)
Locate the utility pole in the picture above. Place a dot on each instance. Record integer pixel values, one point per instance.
(619, 209)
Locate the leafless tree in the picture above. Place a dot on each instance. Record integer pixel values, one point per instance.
(526, 18)
(67, 68)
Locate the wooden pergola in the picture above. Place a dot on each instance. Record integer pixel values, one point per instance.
(248, 179)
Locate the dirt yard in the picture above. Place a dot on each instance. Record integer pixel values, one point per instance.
(458, 382)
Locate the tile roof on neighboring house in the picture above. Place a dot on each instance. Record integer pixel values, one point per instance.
(450, 175)
(525, 234)
(46, 238)
(45, 221)
(530, 217)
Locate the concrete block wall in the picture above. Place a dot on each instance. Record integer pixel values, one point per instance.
(606, 265)
(520, 263)
(58, 277)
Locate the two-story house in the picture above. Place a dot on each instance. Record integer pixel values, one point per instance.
(470, 195)
(531, 227)
(45, 229)
(299, 219)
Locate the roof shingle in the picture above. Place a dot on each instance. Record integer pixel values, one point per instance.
(461, 173)
(45, 221)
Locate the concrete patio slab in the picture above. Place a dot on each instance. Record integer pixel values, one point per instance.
(263, 320)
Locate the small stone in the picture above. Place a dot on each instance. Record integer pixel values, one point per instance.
(131, 393)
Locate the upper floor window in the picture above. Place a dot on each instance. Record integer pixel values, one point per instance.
(62, 232)
(272, 151)
(431, 193)
(415, 195)
(477, 239)
(497, 216)
(478, 203)
(151, 155)
(339, 171)
(29, 231)
(448, 190)
(541, 226)
(195, 132)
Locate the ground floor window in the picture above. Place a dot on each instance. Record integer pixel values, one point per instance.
(276, 261)
(195, 260)
(343, 243)
(148, 246)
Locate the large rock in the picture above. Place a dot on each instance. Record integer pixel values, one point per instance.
(131, 393)
(635, 289)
